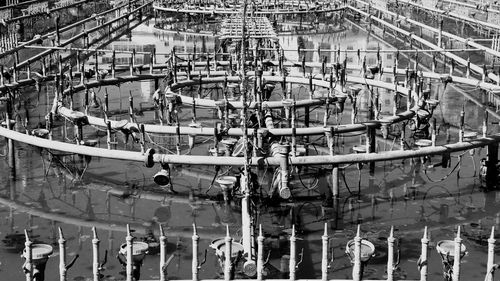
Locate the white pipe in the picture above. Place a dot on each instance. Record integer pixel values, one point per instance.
(62, 256)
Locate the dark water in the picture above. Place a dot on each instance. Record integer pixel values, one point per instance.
(49, 191)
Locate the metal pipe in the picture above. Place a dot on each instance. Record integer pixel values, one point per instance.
(95, 256)
(390, 255)
(260, 254)
(194, 261)
(324, 258)
(227, 255)
(130, 250)
(357, 267)
(457, 256)
(423, 261)
(293, 255)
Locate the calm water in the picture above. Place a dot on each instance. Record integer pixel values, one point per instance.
(48, 191)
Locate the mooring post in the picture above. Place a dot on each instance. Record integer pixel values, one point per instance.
(260, 254)
(95, 255)
(390, 255)
(194, 260)
(457, 256)
(130, 248)
(293, 254)
(324, 258)
(357, 267)
(227, 255)
(62, 256)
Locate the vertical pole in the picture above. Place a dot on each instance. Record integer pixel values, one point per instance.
(194, 261)
(424, 256)
(227, 254)
(62, 256)
(293, 261)
(335, 181)
(390, 255)
(457, 256)
(324, 258)
(28, 256)
(260, 254)
(491, 170)
(130, 249)
(163, 255)
(95, 255)
(491, 256)
(356, 269)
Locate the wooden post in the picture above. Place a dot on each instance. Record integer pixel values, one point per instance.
(95, 255)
